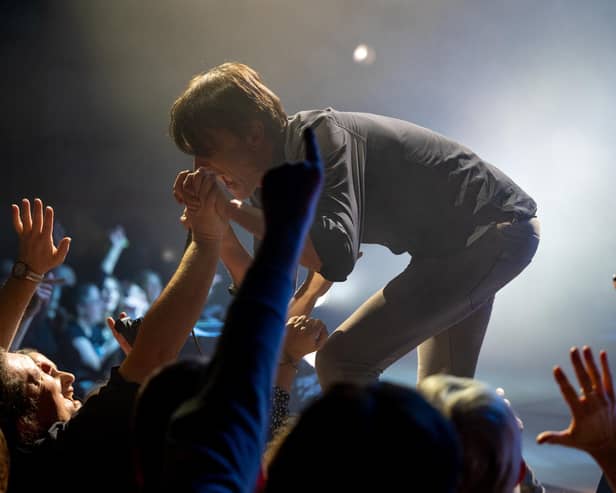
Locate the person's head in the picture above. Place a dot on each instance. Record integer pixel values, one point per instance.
(5, 463)
(367, 438)
(157, 400)
(232, 123)
(134, 300)
(34, 394)
(489, 431)
(85, 303)
(151, 283)
(111, 294)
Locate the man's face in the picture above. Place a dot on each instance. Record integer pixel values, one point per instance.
(51, 388)
(110, 294)
(91, 308)
(239, 162)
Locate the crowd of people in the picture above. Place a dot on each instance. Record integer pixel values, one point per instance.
(133, 416)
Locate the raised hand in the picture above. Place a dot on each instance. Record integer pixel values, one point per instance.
(593, 412)
(118, 238)
(121, 340)
(35, 232)
(303, 336)
(290, 191)
(205, 204)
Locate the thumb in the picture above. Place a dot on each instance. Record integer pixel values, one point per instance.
(62, 251)
(555, 438)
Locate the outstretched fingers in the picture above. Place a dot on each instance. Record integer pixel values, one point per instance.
(608, 384)
(593, 371)
(37, 219)
(47, 230)
(555, 438)
(26, 215)
(17, 223)
(567, 390)
(580, 371)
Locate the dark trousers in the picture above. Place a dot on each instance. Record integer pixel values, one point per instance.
(440, 305)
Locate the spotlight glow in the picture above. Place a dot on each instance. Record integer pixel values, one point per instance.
(364, 54)
(321, 300)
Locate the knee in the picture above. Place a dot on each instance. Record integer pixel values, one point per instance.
(328, 362)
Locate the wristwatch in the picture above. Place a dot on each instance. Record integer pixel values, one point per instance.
(22, 271)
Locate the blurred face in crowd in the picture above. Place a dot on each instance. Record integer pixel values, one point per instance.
(52, 389)
(239, 161)
(135, 302)
(91, 308)
(111, 294)
(153, 286)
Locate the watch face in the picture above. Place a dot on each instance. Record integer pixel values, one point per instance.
(20, 269)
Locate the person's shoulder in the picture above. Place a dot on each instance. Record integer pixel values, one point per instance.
(310, 118)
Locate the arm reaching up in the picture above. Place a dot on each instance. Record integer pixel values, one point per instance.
(593, 414)
(38, 254)
(173, 315)
(217, 437)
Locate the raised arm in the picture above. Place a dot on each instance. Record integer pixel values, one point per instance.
(38, 252)
(251, 219)
(306, 297)
(173, 315)
(216, 438)
(234, 256)
(119, 242)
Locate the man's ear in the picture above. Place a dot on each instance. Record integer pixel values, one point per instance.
(255, 134)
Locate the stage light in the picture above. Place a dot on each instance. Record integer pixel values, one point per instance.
(321, 300)
(364, 54)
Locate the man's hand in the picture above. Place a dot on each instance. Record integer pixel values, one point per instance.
(35, 231)
(304, 336)
(205, 203)
(593, 413)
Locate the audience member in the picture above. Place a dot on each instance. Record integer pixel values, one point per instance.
(133, 300)
(303, 336)
(111, 295)
(151, 283)
(47, 430)
(216, 438)
(87, 347)
(119, 242)
(489, 432)
(5, 464)
(380, 437)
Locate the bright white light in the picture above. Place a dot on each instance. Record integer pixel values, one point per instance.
(310, 358)
(321, 300)
(364, 54)
(360, 53)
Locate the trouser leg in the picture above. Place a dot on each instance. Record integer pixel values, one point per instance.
(455, 351)
(430, 296)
